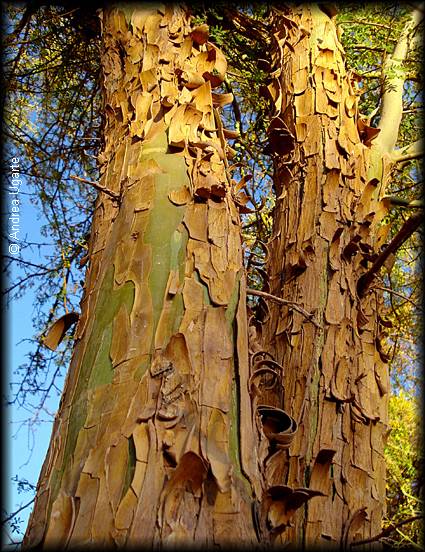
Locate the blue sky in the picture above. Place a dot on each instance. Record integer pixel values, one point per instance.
(20, 440)
(25, 450)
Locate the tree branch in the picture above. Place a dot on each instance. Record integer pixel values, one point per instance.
(389, 290)
(366, 47)
(392, 104)
(27, 263)
(400, 202)
(413, 151)
(364, 22)
(405, 232)
(295, 306)
(392, 527)
(97, 186)
(30, 9)
(4, 521)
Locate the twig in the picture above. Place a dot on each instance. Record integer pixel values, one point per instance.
(392, 527)
(405, 232)
(97, 186)
(366, 47)
(295, 306)
(398, 295)
(363, 22)
(17, 259)
(399, 201)
(236, 109)
(408, 157)
(4, 521)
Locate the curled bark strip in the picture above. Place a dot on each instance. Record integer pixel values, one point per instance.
(263, 311)
(278, 426)
(358, 517)
(263, 275)
(263, 354)
(259, 373)
(266, 250)
(282, 141)
(280, 504)
(58, 329)
(360, 413)
(271, 363)
(170, 416)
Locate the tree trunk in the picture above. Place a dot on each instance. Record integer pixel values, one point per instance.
(167, 431)
(153, 441)
(330, 182)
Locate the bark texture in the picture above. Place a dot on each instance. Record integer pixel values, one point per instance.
(330, 181)
(173, 429)
(147, 445)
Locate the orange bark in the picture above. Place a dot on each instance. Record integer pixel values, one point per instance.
(173, 429)
(147, 446)
(329, 185)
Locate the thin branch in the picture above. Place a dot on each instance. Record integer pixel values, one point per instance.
(363, 22)
(97, 186)
(411, 151)
(408, 157)
(413, 110)
(17, 511)
(389, 290)
(400, 202)
(27, 263)
(392, 527)
(33, 275)
(410, 226)
(409, 76)
(392, 99)
(366, 47)
(295, 306)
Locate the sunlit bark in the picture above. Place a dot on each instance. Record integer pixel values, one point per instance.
(147, 445)
(326, 234)
(173, 428)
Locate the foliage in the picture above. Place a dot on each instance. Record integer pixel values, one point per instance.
(403, 453)
(51, 122)
(369, 37)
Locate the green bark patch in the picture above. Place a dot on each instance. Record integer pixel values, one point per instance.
(235, 429)
(131, 466)
(96, 366)
(233, 305)
(163, 233)
(168, 239)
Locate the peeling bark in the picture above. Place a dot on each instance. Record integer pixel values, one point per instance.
(153, 441)
(181, 423)
(330, 181)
